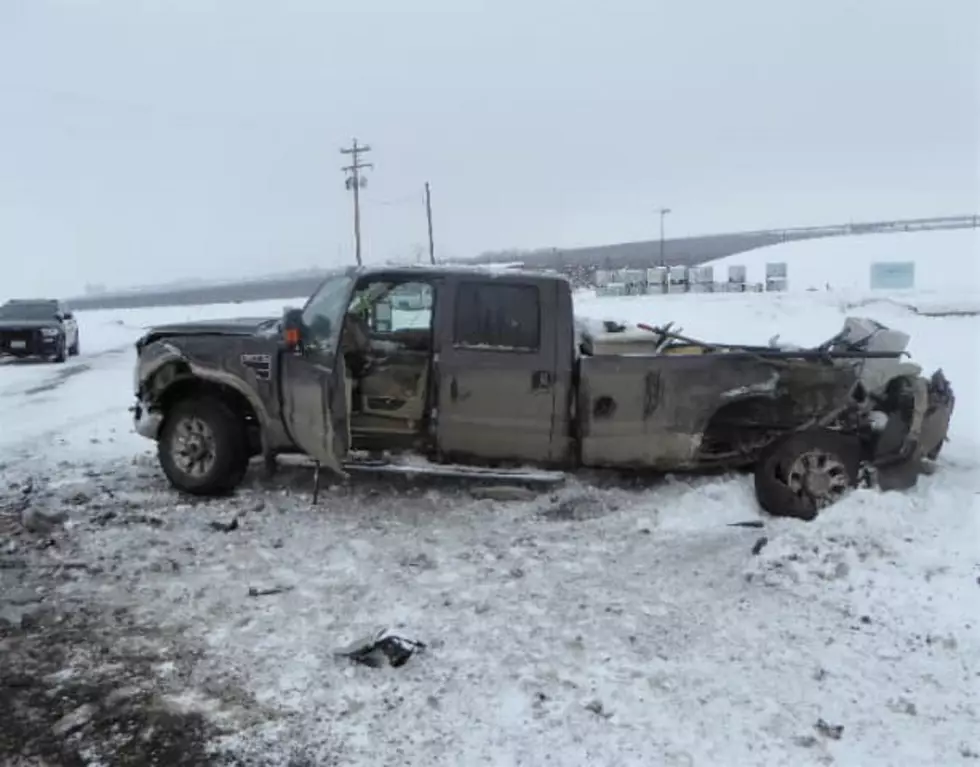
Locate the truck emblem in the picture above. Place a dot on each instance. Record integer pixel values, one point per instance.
(260, 363)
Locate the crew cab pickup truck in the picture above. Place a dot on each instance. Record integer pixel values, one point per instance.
(491, 368)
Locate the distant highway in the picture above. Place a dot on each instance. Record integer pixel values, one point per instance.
(687, 251)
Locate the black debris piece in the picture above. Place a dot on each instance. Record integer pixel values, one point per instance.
(377, 648)
(832, 731)
(225, 527)
(255, 591)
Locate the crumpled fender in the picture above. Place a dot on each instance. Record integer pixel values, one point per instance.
(156, 356)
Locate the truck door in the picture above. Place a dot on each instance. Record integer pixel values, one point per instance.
(496, 370)
(314, 380)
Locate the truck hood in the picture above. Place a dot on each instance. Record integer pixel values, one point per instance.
(242, 326)
(27, 324)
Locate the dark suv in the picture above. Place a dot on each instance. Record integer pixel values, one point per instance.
(43, 328)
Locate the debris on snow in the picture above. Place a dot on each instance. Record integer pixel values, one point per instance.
(618, 592)
(373, 650)
(596, 707)
(225, 527)
(254, 591)
(832, 731)
(902, 705)
(419, 561)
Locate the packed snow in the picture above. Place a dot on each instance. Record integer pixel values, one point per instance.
(589, 624)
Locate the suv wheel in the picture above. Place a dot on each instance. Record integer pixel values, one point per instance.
(801, 474)
(202, 447)
(61, 354)
(75, 347)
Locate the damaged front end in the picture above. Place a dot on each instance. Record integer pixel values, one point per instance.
(909, 427)
(813, 422)
(902, 416)
(151, 358)
(888, 432)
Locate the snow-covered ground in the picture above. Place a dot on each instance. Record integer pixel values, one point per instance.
(594, 624)
(947, 265)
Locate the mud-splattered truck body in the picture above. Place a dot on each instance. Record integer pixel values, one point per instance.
(491, 368)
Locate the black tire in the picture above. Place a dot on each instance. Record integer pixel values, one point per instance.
(61, 355)
(790, 472)
(228, 447)
(75, 349)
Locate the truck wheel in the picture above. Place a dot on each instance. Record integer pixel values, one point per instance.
(61, 355)
(801, 474)
(202, 447)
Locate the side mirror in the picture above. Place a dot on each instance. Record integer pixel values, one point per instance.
(292, 329)
(68, 316)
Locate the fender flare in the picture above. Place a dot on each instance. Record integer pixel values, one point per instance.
(173, 356)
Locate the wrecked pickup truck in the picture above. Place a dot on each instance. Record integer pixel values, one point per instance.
(490, 368)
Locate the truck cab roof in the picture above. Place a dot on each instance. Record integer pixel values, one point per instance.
(422, 271)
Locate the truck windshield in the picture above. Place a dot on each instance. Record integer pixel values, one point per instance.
(28, 311)
(323, 314)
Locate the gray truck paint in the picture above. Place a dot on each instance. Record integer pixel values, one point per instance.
(549, 406)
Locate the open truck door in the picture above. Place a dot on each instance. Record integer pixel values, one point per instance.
(314, 379)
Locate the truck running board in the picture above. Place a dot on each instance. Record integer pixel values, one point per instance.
(454, 471)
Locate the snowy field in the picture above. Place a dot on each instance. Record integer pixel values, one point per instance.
(594, 624)
(947, 266)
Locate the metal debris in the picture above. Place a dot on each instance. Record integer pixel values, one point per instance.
(374, 649)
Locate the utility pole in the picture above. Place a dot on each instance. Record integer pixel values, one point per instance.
(355, 182)
(428, 219)
(663, 215)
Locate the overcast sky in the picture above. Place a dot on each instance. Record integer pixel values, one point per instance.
(148, 141)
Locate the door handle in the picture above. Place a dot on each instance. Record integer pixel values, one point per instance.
(541, 379)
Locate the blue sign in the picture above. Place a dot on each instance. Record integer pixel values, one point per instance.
(892, 275)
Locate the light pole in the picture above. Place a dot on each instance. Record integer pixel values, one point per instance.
(428, 220)
(663, 215)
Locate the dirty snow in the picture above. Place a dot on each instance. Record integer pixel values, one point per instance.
(593, 624)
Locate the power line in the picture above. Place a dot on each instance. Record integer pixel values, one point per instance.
(408, 199)
(355, 182)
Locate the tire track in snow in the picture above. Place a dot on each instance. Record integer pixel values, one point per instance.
(62, 373)
(44, 417)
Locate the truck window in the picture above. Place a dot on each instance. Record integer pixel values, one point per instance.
(407, 307)
(497, 315)
(324, 312)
